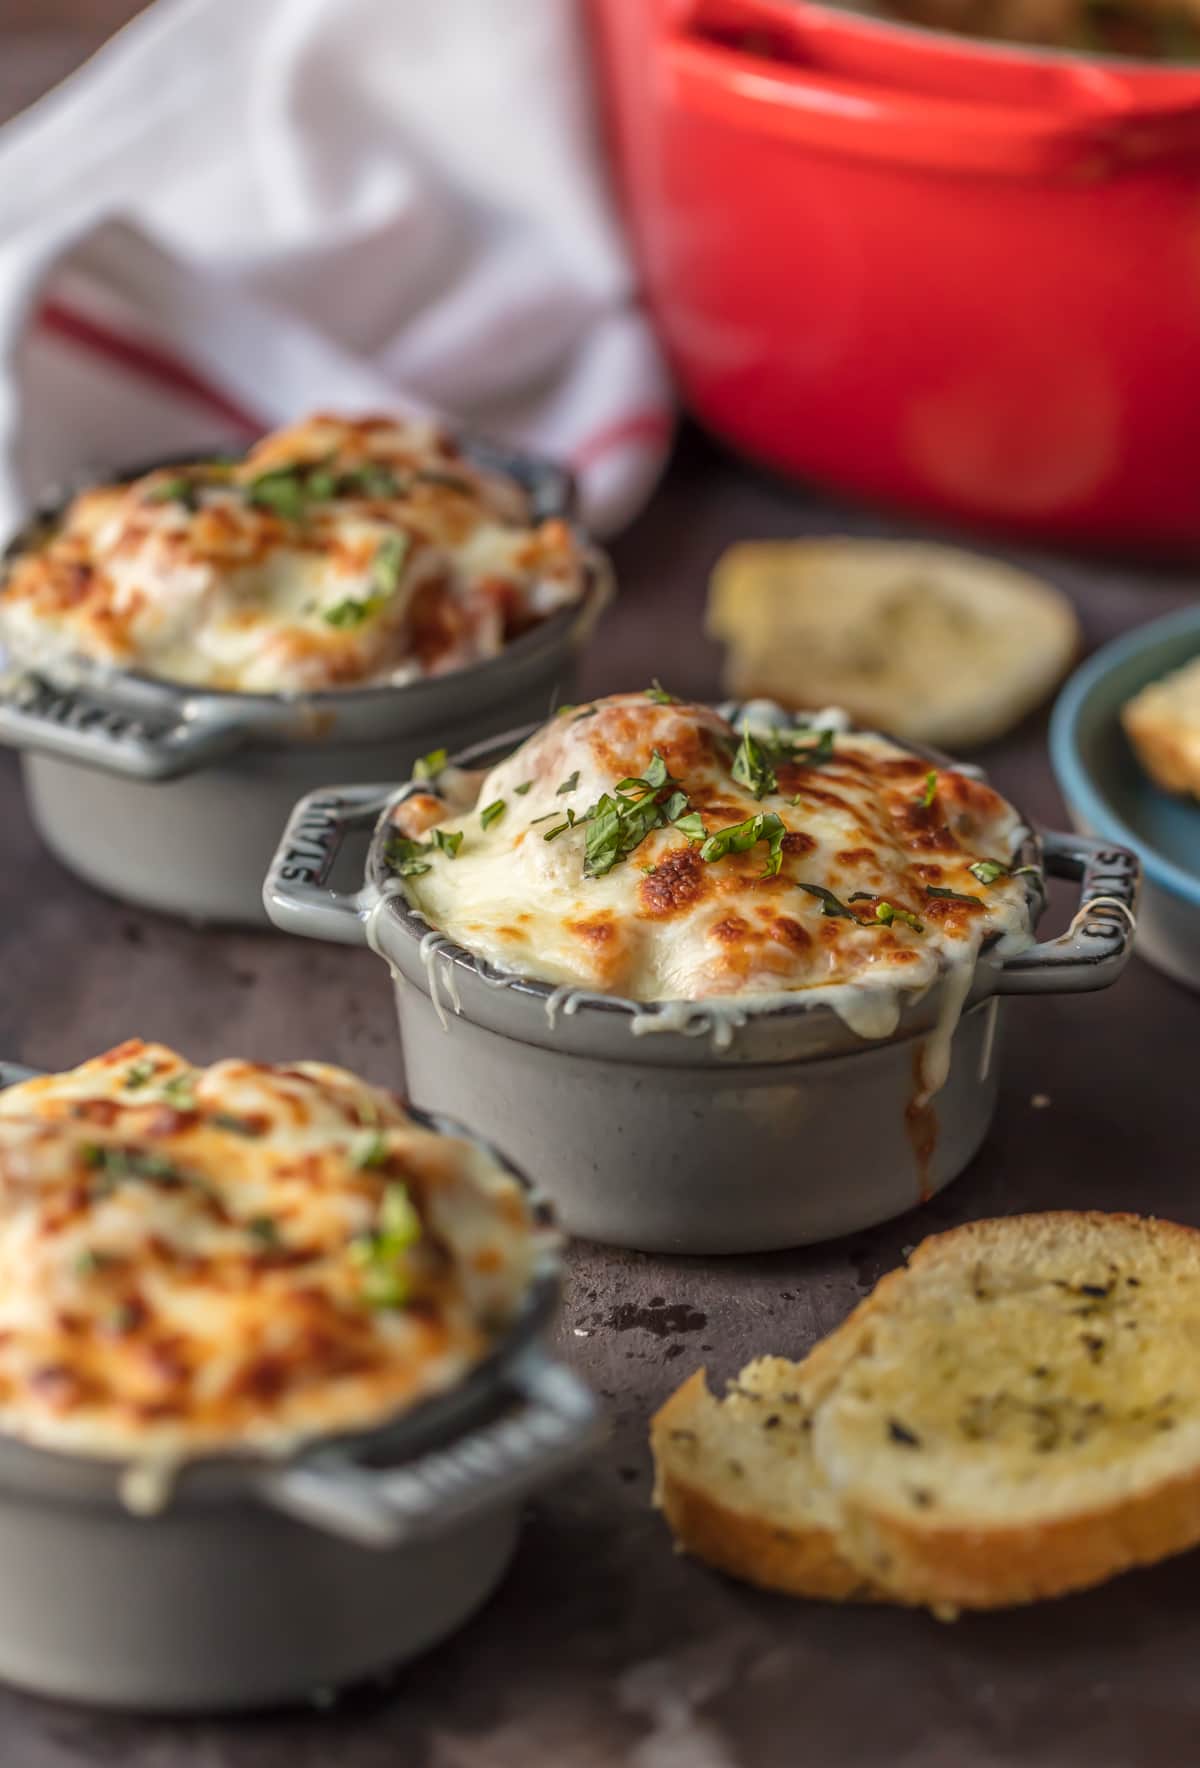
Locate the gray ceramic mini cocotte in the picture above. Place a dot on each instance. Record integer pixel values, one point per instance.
(795, 1130)
(263, 1581)
(171, 798)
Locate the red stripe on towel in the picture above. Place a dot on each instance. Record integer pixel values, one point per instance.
(148, 360)
(653, 425)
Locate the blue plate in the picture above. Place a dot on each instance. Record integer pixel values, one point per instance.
(1108, 794)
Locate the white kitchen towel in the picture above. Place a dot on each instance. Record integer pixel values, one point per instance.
(243, 210)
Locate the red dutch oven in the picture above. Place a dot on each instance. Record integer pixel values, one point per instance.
(951, 275)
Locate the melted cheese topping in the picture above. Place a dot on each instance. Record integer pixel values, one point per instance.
(335, 554)
(868, 824)
(203, 1259)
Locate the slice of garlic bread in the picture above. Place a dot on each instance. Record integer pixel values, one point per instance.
(736, 1481)
(1014, 1415)
(1022, 1416)
(929, 642)
(1163, 724)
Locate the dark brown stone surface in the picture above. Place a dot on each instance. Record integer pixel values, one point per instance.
(602, 1648)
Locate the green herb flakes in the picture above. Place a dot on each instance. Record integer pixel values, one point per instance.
(138, 1075)
(930, 791)
(372, 480)
(237, 1126)
(349, 613)
(953, 895)
(387, 568)
(658, 693)
(568, 785)
(404, 857)
(264, 1229)
(448, 841)
(818, 753)
(429, 766)
(525, 786)
(369, 1151)
(282, 490)
(177, 490)
(989, 871)
(559, 828)
(385, 1281)
(492, 813)
(752, 769)
(887, 912)
(831, 904)
(116, 1163)
(691, 825)
(740, 837)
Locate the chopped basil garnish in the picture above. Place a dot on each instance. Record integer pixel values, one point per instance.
(403, 856)
(989, 870)
(448, 841)
(350, 612)
(388, 565)
(386, 571)
(179, 490)
(691, 825)
(180, 1089)
(740, 837)
(370, 1150)
(282, 490)
(429, 766)
(131, 1163)
(385, 1281)
(138, 1075)
(752, 769)
(818, 753)
(620, 820)
(658, 693)
(371, 480)
(264, 1229)
(887, 912)
(237, 1126)
(568, 785)
(930, 792)
(952, 895)
(831, 904)
(492, 813)
(524, 787)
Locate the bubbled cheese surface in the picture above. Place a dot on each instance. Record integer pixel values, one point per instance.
(241, 1255)
(337, 553)
(863, 820)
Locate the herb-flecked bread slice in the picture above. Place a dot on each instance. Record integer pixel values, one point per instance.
(1021, 1414)
(736, 1481)
(930, 643)
(1014, 1415)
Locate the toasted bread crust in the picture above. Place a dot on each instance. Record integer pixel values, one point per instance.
(869, 1547)
(1168, 749)
(958, 1568)
(916, 638)
(800, 1562)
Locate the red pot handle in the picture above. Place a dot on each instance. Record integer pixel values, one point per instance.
(864, 87)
